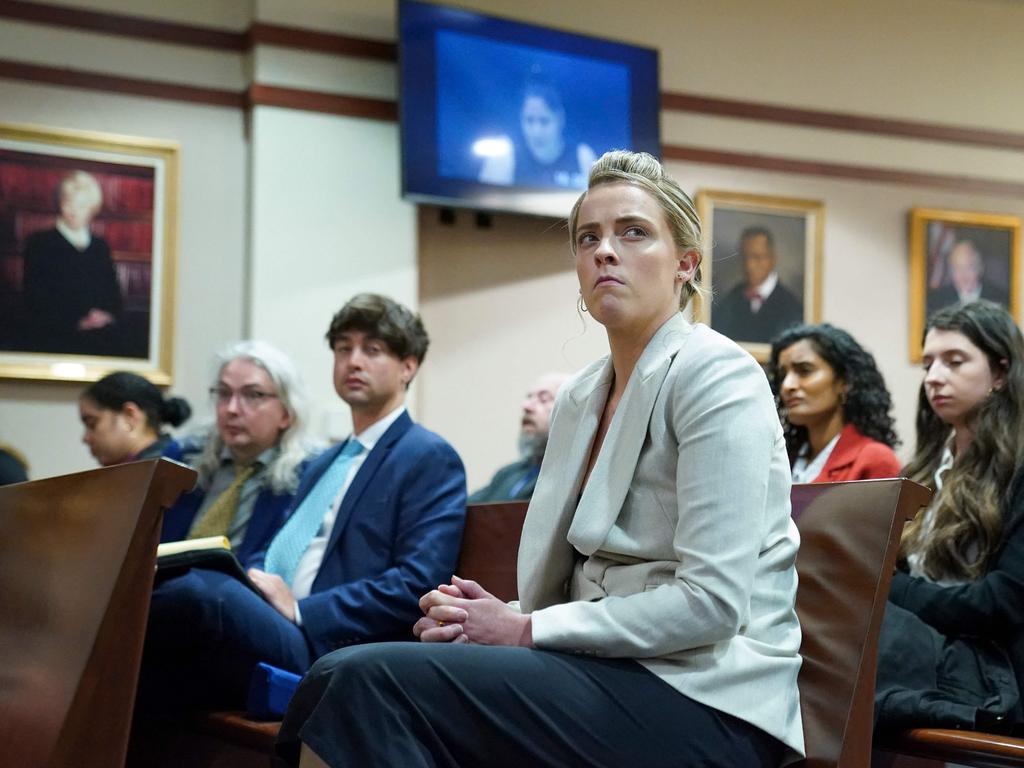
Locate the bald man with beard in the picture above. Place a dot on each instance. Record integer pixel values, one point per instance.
(515, 481)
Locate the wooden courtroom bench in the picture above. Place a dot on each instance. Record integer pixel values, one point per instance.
(850, 534)
(939, 747)
(850, 539)
(490, 544)
(77, 559)
(822, 647)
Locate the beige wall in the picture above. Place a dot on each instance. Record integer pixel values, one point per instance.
(285, 214)
(328, 222)
(951, 61)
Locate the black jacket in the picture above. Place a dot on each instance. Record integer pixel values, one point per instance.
(970, 636)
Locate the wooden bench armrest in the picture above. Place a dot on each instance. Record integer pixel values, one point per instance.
(236, 728)
(984, 750)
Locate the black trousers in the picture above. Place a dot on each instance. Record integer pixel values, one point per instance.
(206, 633)
(409, 704)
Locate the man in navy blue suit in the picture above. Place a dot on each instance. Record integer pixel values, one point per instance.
(376, 523)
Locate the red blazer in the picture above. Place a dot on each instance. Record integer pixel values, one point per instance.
(856, 457)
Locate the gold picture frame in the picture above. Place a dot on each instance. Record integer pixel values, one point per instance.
(783, 238)
(88, 237)
(957, 256)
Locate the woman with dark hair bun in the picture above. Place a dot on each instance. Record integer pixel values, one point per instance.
(123, 415)
(951, 651)
(834, 406)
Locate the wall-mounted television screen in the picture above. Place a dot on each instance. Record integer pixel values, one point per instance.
(505, 116)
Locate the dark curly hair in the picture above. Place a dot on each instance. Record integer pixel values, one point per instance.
(867, 405)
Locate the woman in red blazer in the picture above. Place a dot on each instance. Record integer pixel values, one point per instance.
(834, 406)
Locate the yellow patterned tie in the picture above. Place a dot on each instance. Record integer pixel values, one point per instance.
(217, 519)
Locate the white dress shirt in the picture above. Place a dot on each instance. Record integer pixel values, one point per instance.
(804, 471)
(763, 291)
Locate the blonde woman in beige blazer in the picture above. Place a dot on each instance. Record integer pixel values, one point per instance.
(656, 623)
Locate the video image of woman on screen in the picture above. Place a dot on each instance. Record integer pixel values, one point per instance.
(72, 297)
(543, 154)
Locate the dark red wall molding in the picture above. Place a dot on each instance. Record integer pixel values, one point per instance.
(123, 26)
(969, 184)
(322, 42)
(381, 50)
(317, 101)
(843, 121)
(75, 78)
(387, 110)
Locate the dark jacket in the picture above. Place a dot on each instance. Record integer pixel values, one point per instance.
(857, 457)
(970, 636)
(396, 536)
(513, 482)
(11, 469)
(731, 315)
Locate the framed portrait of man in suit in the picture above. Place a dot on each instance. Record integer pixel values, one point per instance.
(87, 235)
(957, 257)
(762, 260)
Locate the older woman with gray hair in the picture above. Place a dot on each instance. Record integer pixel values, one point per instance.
(250, 462)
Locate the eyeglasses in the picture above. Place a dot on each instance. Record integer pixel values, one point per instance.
(249, 398)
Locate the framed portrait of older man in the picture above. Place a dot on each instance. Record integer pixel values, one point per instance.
(762, 260)
(87, 239)
(957, 257)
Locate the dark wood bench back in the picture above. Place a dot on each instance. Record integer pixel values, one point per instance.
(490, 546)
(849, 543)
(850, 535)
(77, 557)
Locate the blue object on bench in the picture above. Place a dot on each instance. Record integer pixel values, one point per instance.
(270, 690)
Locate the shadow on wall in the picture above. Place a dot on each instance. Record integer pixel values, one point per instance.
(472, 252)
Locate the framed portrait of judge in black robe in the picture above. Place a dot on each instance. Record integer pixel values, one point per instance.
(87, 233)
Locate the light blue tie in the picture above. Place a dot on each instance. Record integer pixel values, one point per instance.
(293, 539)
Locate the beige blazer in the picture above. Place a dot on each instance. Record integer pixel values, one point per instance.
(681, 551)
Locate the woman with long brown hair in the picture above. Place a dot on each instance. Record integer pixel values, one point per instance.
(952, 647)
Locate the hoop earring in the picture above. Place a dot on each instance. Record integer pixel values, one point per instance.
(580, 305)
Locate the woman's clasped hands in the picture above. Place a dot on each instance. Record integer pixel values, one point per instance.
(464, 612)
